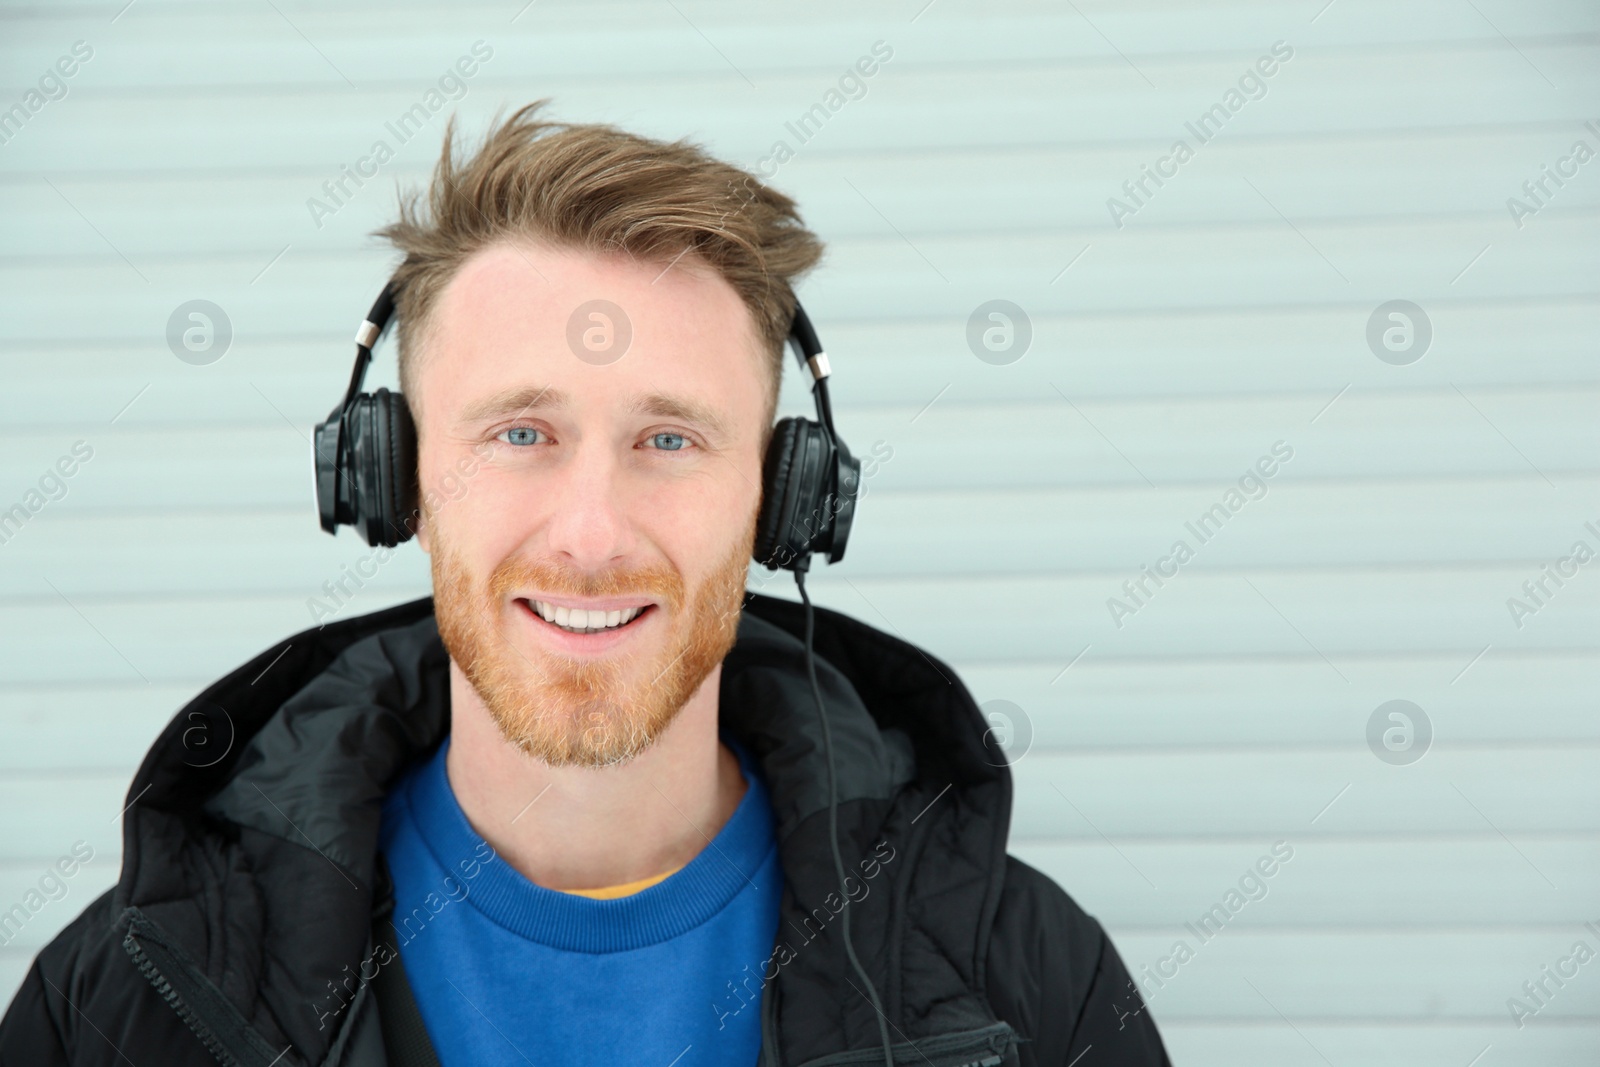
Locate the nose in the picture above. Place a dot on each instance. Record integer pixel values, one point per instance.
(588, 524)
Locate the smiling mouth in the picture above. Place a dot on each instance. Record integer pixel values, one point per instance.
(580, 621)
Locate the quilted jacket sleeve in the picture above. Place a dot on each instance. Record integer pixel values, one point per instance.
(1055, 976)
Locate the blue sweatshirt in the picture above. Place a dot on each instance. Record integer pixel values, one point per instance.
(507, 972)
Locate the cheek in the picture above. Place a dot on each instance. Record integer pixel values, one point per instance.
(463, 500)
(695, 520)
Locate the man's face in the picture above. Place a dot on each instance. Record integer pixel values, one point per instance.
(618, 496)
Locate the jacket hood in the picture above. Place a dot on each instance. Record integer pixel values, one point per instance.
(250, 839)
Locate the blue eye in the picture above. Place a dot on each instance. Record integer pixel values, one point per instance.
(669, 442)
(521, 435)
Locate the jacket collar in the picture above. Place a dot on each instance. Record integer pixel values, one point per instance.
(292, 754)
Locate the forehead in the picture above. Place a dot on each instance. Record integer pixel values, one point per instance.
(533, 314)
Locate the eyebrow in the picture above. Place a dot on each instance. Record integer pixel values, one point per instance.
(513, 402)
(662, 405)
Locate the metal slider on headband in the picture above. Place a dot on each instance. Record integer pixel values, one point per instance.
(367, 335)
(819, 366)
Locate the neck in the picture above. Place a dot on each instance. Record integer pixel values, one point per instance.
(585, 828)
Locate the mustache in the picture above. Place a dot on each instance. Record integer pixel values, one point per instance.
(658, 582)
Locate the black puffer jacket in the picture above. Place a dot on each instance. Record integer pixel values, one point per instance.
(250, 879)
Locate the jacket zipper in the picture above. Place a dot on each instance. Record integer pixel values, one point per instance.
(769, 1026)
(148, 968)
(227, 1036)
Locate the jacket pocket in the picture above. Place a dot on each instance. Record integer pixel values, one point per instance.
(992, 1046)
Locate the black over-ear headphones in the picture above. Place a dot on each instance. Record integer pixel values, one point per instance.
(366, 462)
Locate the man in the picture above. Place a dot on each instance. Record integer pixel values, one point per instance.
(574, 808)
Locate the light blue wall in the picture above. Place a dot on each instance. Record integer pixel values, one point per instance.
(1228, 313)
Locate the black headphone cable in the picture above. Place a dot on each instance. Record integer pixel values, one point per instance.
(800, 568)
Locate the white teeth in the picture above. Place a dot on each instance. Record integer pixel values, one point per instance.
(581, 620)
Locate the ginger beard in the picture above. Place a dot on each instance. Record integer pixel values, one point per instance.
(589, 712)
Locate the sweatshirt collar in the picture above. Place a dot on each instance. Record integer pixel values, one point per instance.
(689, 897)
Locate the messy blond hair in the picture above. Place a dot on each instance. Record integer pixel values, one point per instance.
(597, 188)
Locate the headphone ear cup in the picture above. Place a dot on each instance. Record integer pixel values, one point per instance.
(331, 474)
(775, 469)
(383, 459)
(794, 481)
(848, 480)
(397, 469)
